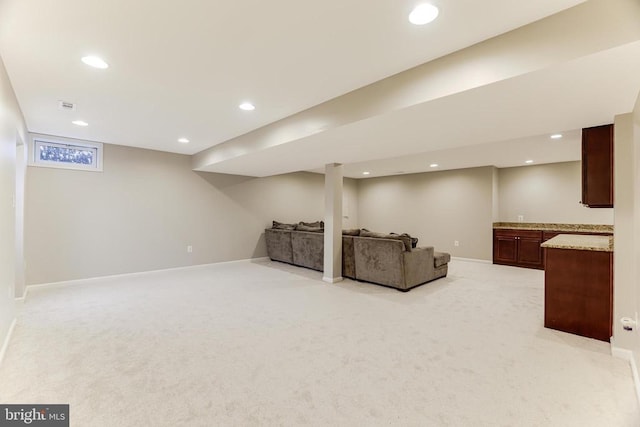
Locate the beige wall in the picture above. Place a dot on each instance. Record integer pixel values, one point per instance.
(441, 207)
(12, 130)
(626, 299)
(436, 207)
(633, 286)
(147, 206)
(546, 193)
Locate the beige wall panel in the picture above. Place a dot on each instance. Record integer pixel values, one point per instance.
(12, 130)
(546, 193)
(143, 211)
(437, 207)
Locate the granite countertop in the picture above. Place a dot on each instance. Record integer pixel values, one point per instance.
(580, 228)
(583, 242)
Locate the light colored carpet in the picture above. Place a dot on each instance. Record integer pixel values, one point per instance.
(264, 343)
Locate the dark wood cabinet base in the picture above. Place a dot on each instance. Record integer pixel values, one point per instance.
(521, 248)
(579, 292)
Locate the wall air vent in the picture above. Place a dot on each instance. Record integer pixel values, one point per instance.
(66, 106)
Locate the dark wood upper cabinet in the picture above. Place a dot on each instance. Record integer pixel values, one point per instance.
(597, 166)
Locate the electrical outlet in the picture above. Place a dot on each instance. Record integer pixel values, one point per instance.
(456, 243)
(520, 218)
(189, 249)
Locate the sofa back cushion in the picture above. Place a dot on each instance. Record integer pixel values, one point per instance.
(406, 239)
(302, 227)
(319, 224)
(351, 232)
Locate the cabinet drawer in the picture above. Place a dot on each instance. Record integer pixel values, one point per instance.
(533, 234)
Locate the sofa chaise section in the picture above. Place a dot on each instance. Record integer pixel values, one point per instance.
(387, 262)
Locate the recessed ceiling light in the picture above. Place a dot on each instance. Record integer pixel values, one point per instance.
(80, 123)
(247, 106)
(556, 136)
(423, 14)
(366, 173)
(433, 165)
(95, 62)
(528, 162)
(183, 140)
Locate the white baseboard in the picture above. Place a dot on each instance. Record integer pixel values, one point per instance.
(5, 344)
(260, 259)
(124, 275)
(629, 357)
(482, 261)
(332, 279)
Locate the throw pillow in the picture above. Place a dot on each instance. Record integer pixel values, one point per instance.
(283, 226)
(414, 240)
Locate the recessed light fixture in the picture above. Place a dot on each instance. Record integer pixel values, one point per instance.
(366, 173)
(433, 165)
(80, 123)
(247, 106)
(95, 62)
(556, 136)
(423, 14)
(528, 162)
(183, 140)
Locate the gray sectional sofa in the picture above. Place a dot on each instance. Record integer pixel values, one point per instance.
(388, 260)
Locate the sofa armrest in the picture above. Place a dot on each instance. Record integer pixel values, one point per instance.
(418, 266)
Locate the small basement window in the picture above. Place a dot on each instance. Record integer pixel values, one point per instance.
(58, 153)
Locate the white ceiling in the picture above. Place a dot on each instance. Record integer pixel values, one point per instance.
(179, 69)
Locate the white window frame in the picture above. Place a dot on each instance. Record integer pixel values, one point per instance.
(37, 140)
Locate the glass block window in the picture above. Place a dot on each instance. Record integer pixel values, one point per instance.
(61, 154)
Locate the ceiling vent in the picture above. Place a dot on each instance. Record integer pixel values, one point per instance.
(66, 106)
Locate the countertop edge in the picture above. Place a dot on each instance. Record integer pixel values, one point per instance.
(580, 228)
(580, 242)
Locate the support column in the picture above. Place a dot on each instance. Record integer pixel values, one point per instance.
(332, 223)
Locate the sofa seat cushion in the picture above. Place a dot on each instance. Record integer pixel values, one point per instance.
(440, 259)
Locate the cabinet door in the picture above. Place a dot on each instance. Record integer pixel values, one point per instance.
(530, 252)
(505, 249)
(597, 166)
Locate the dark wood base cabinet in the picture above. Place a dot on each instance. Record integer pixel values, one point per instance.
(520, 248)
(578, 292)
